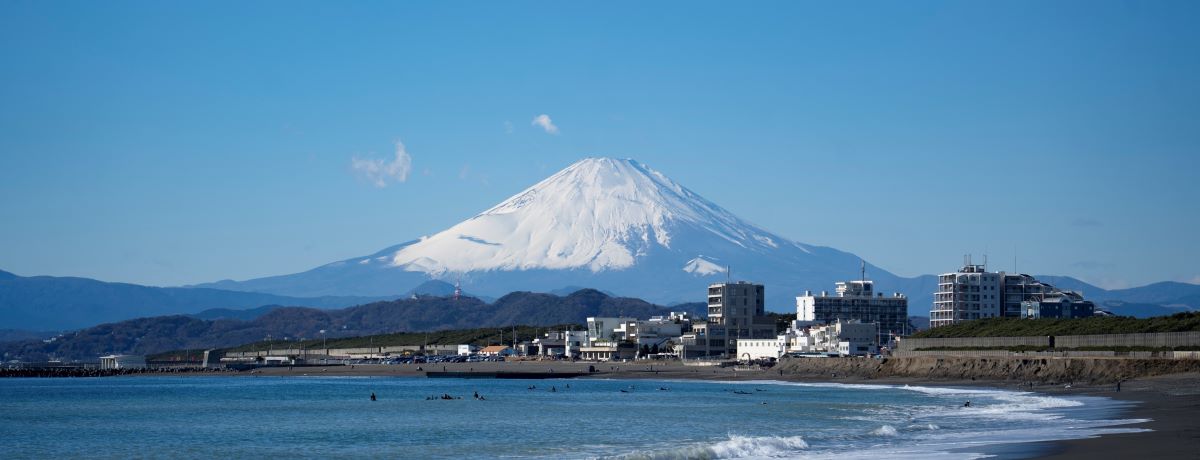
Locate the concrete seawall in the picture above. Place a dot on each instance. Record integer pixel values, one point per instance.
(1154, 340)
(1048, 370)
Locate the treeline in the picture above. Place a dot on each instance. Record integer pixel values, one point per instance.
(1019, 327)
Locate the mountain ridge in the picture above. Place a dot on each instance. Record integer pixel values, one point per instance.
(174, 332)
(49, 303)
(614, 225)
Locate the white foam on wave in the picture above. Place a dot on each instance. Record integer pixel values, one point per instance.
(886, 430)
(737, 446)
(922, 440)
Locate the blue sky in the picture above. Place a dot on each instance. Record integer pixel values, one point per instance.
(171, 143)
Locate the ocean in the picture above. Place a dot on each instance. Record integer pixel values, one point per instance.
(320, 417)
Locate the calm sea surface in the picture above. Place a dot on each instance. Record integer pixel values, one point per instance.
(241, 417)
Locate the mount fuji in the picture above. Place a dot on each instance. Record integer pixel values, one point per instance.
(610, 224)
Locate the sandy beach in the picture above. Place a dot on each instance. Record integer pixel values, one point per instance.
(1171, 403)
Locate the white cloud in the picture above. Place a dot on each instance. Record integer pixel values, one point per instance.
(379, 171)
(543, 120)
(1194, 280)
(508, 127)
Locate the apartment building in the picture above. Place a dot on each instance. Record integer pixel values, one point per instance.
(974, 293)
(857, 300)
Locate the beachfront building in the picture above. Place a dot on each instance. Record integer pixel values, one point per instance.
(857, 300)
(1065, 304)
(735, 311)
(608, 351)
(608, 329)
(658, 332)
(761, 349)
(974, 293)
(558, 343)
(497, 350)
(123, 362)
(841, 337)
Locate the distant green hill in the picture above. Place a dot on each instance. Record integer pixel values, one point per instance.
(1018, 327)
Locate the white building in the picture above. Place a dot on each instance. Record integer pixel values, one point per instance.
(657, 331)
(762, 349)
(847, 338)
(560, 343)
(123, 362)
(608, 328)
(857, 300)
(975, 293)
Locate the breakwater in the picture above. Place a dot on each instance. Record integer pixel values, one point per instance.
(94, 372)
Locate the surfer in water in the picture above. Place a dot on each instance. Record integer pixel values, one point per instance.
(372, 395)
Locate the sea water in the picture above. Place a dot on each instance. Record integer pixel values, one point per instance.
(241, 417)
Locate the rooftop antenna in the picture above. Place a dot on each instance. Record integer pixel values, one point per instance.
(864, 270)
(728, 273)
(985, 262)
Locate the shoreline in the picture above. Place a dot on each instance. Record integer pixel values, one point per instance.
(1169, 403)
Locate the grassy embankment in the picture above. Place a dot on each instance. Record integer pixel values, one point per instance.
(1017, 327)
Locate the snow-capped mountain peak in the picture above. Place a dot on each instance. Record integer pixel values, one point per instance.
(598, 213)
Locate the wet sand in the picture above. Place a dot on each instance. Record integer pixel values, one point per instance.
(1170, 402)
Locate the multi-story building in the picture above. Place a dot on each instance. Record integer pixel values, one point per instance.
(735, 305)
(557, 343)
(608, 329)
(857, 300)
(970, 293)
(975, 293)
(840, 337)
(735, 311)
(1064, 304)
(1020, 288)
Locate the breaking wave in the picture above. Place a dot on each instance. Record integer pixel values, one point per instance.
(886, 430)
(734, 447)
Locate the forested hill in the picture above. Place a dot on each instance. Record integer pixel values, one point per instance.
(158, 334)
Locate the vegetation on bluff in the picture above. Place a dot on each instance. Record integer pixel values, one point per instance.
(1018, 327)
